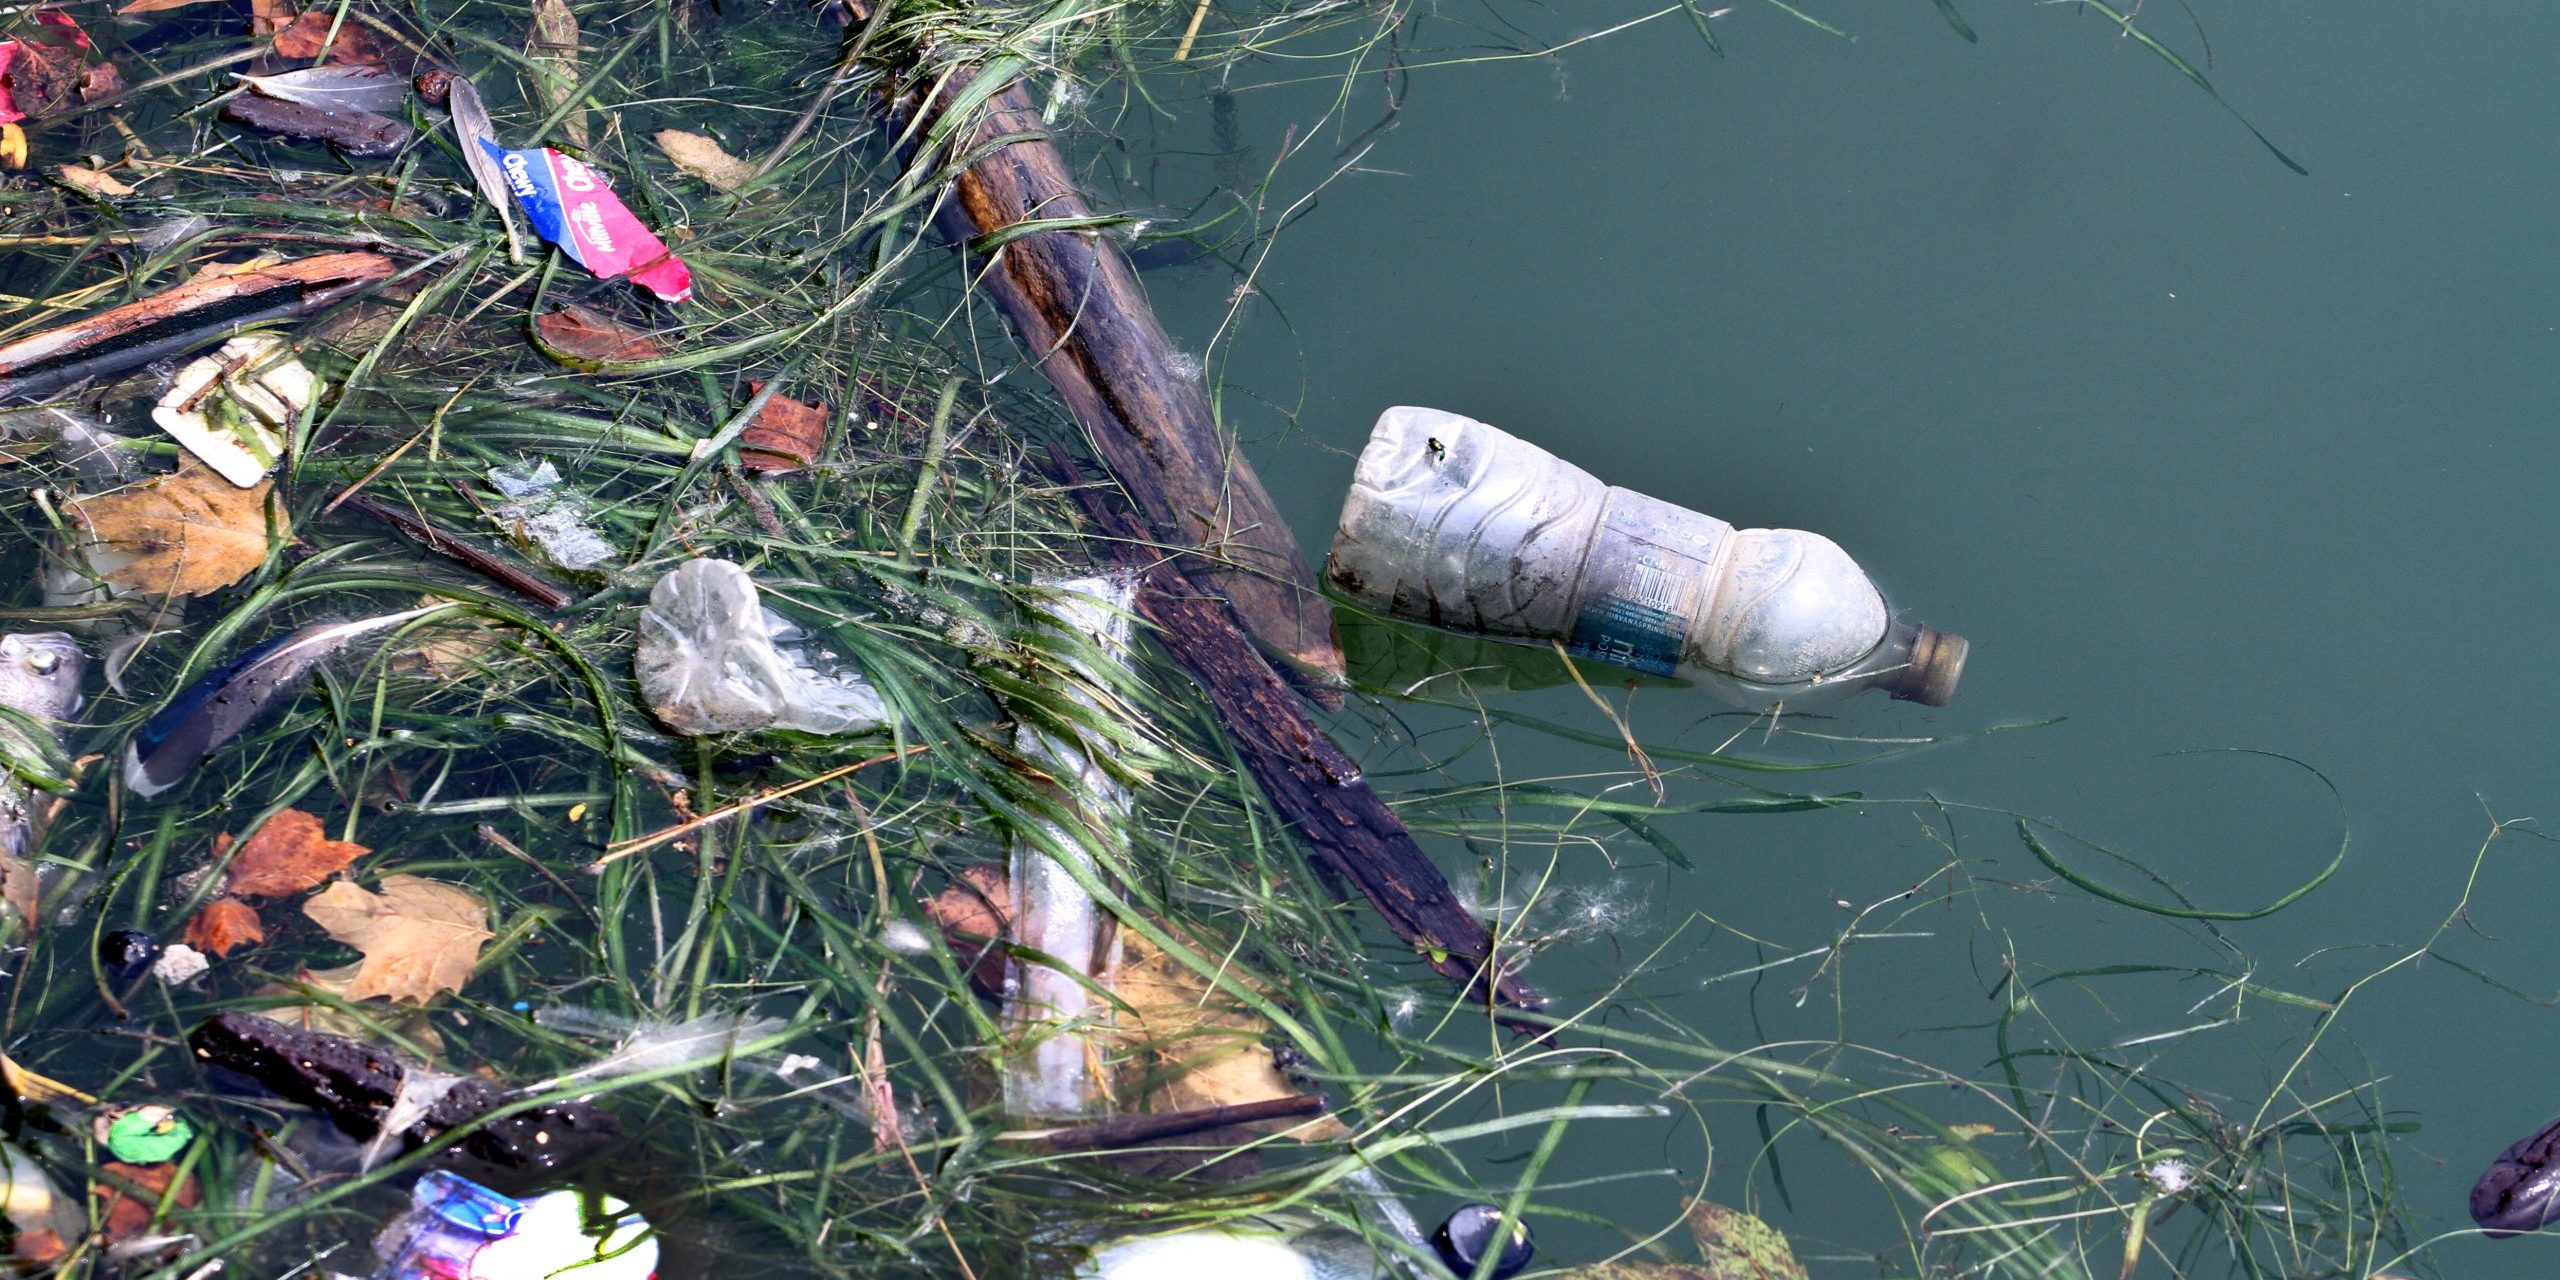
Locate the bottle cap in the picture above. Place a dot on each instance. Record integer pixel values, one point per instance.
(1937, 662)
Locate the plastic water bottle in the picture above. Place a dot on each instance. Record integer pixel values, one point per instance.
(1457, 524)
(456, 1229)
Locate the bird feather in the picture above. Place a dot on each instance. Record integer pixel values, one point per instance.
(214, 710)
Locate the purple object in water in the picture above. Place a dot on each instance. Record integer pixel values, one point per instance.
(2521, 1190)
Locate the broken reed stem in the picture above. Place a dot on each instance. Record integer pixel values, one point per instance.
(1199, 13)
(614, 853)
(937, 439)
(1130, 1130)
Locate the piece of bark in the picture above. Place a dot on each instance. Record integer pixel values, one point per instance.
(355, 132)
(1077, 306)
(176, 321)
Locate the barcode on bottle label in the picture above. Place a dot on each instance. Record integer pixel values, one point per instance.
(1638, 599)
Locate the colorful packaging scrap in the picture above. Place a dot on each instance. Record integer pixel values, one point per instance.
(571, 206)
(456, 1229)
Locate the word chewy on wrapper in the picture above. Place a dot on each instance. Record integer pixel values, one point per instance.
(571, 206)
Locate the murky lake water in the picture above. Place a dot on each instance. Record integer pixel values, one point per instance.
(2200, 453)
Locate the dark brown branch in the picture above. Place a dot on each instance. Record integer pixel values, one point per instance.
(480, 560)
(1077, 306)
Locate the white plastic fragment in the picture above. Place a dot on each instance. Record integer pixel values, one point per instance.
(548, 516)
(179, 964)
(711, 660)
(228, 408)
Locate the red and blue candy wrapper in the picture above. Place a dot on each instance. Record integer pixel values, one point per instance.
(570, 206)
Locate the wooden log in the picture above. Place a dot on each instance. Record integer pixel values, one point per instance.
(1076, 304)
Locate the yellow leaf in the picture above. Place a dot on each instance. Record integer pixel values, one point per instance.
(13, 147)
(419, 937)
(191, 533)
(698, 155)
(1191, 1046)
(35, 1088)
(96, 182)
(553, 55)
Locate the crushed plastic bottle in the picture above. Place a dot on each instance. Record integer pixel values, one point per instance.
(1458, 524)
(1052, 1008)
(43, 1222)
(712, 659)
(456, 1229)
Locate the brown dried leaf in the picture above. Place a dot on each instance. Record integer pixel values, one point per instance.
(267, 17)
(419, 937)
(585, 333)
(225, 925)
(704, 158)
(190, 533)
(308, 34)
(96, 182)
(972, 912)
(154, 6)
(291, 853)
(130, 1196)
(39, 1244)
(785, 436)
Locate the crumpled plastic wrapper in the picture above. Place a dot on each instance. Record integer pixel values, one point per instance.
(712, 660)
(548, 516)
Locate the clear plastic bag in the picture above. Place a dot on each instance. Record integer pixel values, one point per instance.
(712, 660)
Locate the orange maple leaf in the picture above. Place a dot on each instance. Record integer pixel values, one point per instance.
(286, 856)
(225, 925)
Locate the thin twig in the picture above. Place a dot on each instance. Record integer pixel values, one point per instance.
(640, 844)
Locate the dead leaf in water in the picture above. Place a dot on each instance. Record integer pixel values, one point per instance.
(96, 182)
(786, 435)
(585, 333)
(704, 158)
(307, 35)
(419, 937)
(289, 854)
(225, 925)
(129, 1196)
(191, 533)
(553, 55)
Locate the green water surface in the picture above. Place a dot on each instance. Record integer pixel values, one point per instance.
(2200, 452)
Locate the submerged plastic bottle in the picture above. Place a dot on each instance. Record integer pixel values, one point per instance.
(1455, 523)
(456, 1229)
